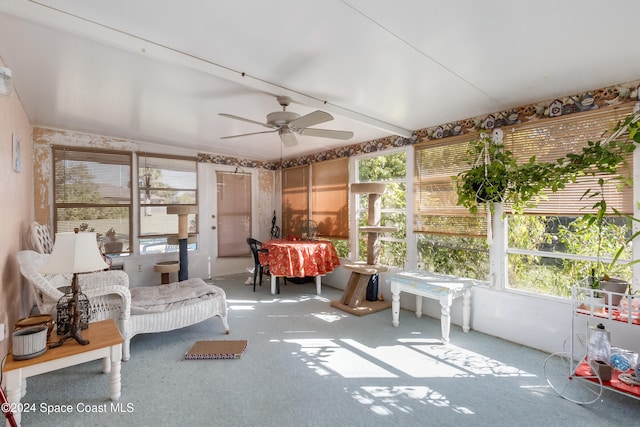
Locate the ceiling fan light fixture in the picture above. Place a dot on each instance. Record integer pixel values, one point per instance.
(287, 137)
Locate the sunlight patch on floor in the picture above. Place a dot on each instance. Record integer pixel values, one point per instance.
(387, 400)
(327, 317)
(471, 362)
(409, 361)
(329, 355)
(419, 358)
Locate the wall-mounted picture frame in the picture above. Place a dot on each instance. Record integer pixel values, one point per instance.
(16, 152)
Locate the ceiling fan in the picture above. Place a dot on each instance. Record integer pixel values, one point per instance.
(287, 124)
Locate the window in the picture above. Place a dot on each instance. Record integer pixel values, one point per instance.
(330, 198)
(295, 200)
(390, 169)
(92, 192)
(165, 182)
(319, 192)
(436, 201)
(450, 240)
(551, 247)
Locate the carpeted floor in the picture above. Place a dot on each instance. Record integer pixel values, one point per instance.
(309, 364)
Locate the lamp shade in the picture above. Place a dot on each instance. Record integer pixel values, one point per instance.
(74, 253)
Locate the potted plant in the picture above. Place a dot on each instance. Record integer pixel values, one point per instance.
(593, 300)
(112, 245)
(615, 285)
(497, 177)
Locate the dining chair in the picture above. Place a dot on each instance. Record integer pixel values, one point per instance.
(259, 269)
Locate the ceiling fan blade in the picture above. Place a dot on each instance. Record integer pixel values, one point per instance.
(288, 138)
(231, 116)
(248, 134)
(311, 119)
(327, 133)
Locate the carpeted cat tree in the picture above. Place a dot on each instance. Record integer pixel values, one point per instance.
(353, 298)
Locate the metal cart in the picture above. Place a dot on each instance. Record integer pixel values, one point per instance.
(568, 372)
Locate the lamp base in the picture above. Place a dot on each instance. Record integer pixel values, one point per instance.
(73, 333)
(72, 310)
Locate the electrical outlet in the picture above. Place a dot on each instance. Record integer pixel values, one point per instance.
(139, 268)
(3, 331)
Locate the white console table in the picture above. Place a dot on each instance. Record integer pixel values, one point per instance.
(435, 286)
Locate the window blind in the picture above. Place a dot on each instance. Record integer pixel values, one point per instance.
(234, 213)
(436, 162)
(91, 177)
(436, 210)
(295, 200)
(92, 192)
(556, 137)
(163, 182)
(330, 197)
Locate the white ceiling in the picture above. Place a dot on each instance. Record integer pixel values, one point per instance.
(161, 71)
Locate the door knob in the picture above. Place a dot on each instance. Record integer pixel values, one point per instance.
(213, 227)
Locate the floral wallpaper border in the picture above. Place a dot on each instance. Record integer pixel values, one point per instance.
(597, 98)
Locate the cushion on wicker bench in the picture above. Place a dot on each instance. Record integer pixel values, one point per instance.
(153, 299)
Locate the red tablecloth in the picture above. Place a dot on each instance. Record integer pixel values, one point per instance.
(300, 258)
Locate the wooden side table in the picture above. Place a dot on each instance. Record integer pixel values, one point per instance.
(435, 286)
(105, 342)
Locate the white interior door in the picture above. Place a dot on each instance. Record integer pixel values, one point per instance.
(234, 216)
(228, 229)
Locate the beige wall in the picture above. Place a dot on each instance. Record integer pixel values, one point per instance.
(16, 210)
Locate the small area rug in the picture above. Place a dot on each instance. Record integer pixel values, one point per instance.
(225, 349)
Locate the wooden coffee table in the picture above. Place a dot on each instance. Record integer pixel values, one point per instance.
(105, 342)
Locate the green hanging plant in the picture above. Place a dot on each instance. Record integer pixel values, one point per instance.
(496, 176)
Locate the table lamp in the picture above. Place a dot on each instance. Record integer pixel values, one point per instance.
(74, 252)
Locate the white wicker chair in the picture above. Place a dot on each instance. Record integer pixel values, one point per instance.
(110, 297)
(40, 239)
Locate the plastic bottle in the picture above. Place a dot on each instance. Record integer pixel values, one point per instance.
(599, 344)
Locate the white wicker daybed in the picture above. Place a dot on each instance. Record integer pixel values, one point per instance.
(137, 310)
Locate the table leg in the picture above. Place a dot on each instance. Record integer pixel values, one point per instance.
(116, 357)
(318, 285)
(418, 306)
(445, 316)
(466, 309)
(395, 304)
(14, 390)
(273, 284)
